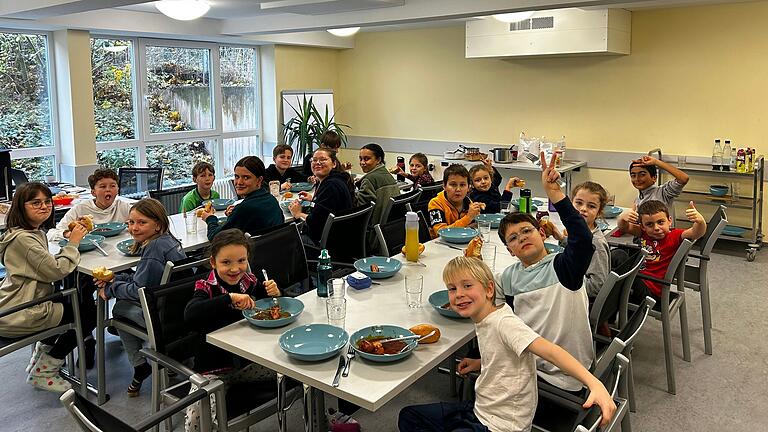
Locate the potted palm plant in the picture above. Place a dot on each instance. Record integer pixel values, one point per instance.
(306, 128)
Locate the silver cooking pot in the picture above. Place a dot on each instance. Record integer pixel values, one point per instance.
(504, 155)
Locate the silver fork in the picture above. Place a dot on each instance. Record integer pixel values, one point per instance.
(350, 356)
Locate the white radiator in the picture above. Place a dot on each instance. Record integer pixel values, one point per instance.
(225, 188)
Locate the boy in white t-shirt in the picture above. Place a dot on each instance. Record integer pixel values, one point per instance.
(505, 392)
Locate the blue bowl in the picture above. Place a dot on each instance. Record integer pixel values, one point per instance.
(291, 305)
(313, 342)
(301, 187)
(457, 235)
(221, 203)
(553, 248)
(438, 299)
(304, 204)
(718, 190)
(109, 229)
(611, 212)
(493, 218)
(382, 330)
(733, 230)
(86, 244)
(388, 267)
(124, 247)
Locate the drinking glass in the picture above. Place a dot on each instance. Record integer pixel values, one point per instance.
(191, 223)
(488, 252)
(485, 230)
(413, 288)
(336, 309)
(336, 288)
(735, 191)
(681, 160)
(274, 188)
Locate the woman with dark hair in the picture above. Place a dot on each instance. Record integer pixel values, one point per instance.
(257, 210)
(333, 193)
(375, 172)
(31, 273)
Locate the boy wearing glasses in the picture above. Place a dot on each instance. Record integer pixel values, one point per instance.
(545, 290)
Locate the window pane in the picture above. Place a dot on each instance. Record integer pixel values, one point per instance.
(36, 168)
(117, 158)
(25, 111)
(238, 88)
(237, 148)
(111, 61)
(179, 84)
(178, 159)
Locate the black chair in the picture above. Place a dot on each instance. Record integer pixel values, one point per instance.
(344, 234)
(424, 235)
(171, 198)
(428, 191)
(136, 182)
(613, 297)
(391, 236)
(396, 207)
(288, 268)
(18, 178)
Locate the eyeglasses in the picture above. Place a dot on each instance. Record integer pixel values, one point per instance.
(523, 234)
(37, 204)
(319, 160)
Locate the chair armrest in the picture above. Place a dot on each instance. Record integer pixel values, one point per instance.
(165, 413)
(699, 256)
(622, 245)
(652, 279)
(55, 296)
(561, 397)
(167, 362)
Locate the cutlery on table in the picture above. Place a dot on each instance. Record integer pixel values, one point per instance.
(275, 302)
(411, 337)
(350, 356)
(339, 369)
(448, 245)
(95, 243)
(420, 338)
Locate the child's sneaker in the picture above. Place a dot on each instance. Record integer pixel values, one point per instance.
(44, 374)
(39, 347)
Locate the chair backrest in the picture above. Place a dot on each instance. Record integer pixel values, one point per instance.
(345, 233)
(424, 235)
(609, 300)
(391, 236)
(171, 198)
(163, 308)
(396, 207)
(610, 379)
(715, 227)
(136, 181)
(383, 196)
(18, 177)
(430, 190)
(630, 330)
(677, 264)
(183, 269)
(288, 268)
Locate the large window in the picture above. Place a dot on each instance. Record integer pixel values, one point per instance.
(197, 100)
(26, 124)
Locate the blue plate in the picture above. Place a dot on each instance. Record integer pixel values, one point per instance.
(733, 230)
(301, 187)
(221, 203)
(457, 235)
(109, 229)
(602, 225)
(611, 212)
(284, 204)
(382, 330)
(534, 201)
(718, 190)
(291, 305)
(438, 299)
(125, 248)
(493, 218)
(85, 244)
(553, 248)
(313, 342)
(387, 267)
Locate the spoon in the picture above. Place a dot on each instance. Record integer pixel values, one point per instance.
(266, 278)
(419, 340)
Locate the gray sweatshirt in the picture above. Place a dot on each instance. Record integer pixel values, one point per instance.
(600, 265)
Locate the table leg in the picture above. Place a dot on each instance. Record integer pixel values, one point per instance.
(308, 408)
(280, 402)
(100, 360)
(319, 414)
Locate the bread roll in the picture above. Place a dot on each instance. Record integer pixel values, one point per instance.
(102, 274)
(86, 221)
(425, 329)
(288, 195)
(473, 250)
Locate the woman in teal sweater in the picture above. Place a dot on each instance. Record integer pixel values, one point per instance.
(258, 209)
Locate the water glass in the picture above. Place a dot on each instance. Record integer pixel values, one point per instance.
(413, 288)
(485, 230)
(681, 160)
(191, 222)
(274, 188)
(336, 309)
(488, 252)
(735, 191)
(336, 288)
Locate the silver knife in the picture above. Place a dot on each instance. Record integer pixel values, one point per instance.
(350, 356)
(450, 246)
(95, 243)
(342, 363)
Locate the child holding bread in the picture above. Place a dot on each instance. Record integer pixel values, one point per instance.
(485, 187)
(148, 225)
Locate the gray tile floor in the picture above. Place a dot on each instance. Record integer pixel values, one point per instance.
(715, 393)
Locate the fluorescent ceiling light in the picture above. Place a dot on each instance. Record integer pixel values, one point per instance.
(116, 48)
(344, 32)
(514, 16)
(183, 10)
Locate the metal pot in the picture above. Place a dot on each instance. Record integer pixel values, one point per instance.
(504, 155)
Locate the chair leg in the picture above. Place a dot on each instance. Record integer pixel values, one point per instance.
(706, 314)
(280, 402)
(452, 375)
(667, 333)
(631, 385)
(684, 335)
(624, 393)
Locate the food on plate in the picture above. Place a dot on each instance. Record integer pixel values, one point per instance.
(473, 250)
(446, 306)
(375, 268)
(272, 313)
(519, 183)
(380, 345)
(288, 195)
(421, 248)
(102, 274)
(86, 221)
(425, 329)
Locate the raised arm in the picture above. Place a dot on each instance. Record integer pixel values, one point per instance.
(629, 222)
(699, 227)
(678, 174)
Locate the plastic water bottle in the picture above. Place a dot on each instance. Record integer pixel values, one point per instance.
(411, 236)
(726, 162)
(324, 271)
(717, 156)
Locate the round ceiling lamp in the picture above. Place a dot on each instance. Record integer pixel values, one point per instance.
(344, 32)
(183, 10)
(514, 16)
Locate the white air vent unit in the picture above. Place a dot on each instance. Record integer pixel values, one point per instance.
(559, 32)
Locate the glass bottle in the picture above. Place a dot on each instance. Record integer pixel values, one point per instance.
(324, 271)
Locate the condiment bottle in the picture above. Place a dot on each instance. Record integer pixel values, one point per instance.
(411, 236)
(741, 161)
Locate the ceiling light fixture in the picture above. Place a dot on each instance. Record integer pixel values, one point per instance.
(183, 10)
(344, 32)
(514, 16)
